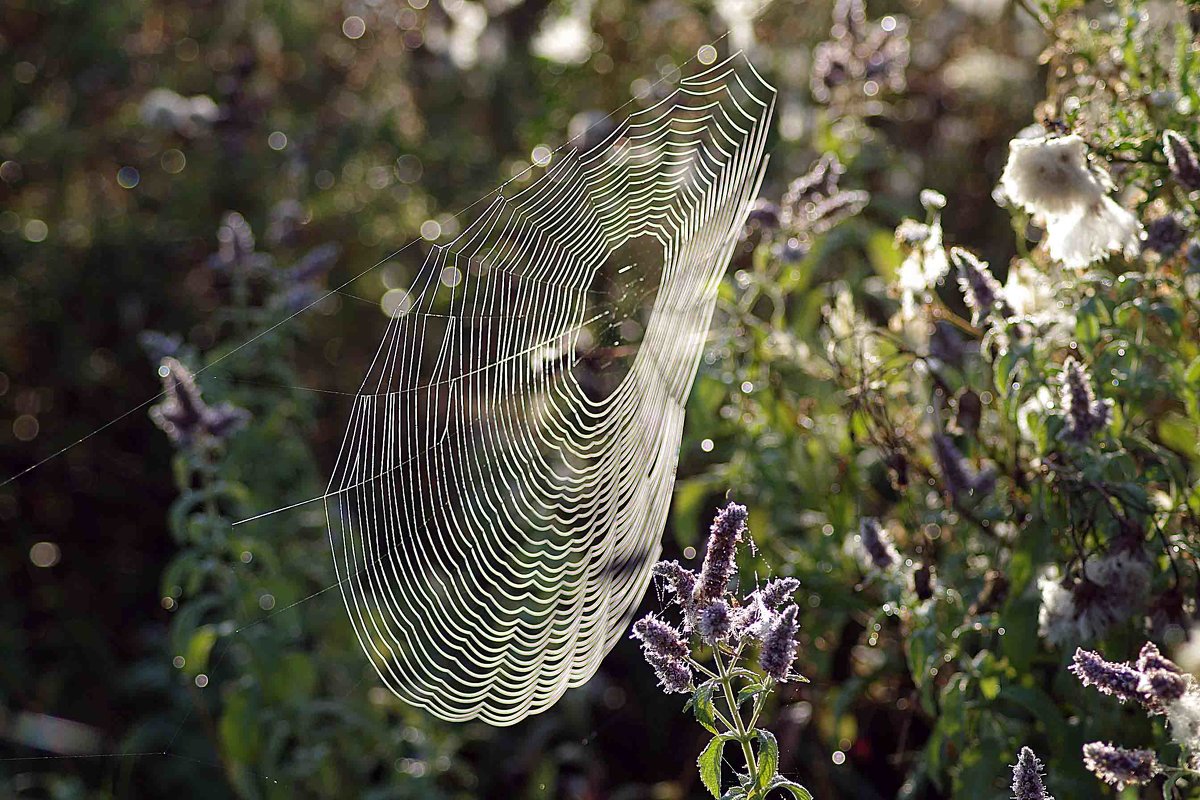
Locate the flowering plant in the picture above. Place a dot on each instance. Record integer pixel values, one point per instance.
(729, 629)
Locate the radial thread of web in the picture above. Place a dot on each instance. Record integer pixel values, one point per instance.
(505, 477)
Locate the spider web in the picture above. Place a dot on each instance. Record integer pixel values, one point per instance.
(506, 472)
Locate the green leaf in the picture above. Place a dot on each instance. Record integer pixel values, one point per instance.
(768, 757)
(709, 763)
(702, 706)
(797, 791)
(198, 649)
(750, 691)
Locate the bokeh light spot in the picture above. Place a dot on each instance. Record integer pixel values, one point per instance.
(128, 177)
(25, 428)
(36, 230)
(430, 230)
(354, 27)
(45, 554)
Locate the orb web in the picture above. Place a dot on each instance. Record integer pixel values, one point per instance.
(507, 468)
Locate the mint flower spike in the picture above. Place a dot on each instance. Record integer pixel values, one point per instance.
(1181, 159)
(674, 676)
(1027, 778)
(1160, 687)
(665, 651)
(779, 645)
(659, 638)
(752, 620)
(1119, 680)
(981, 291)
(677, 579)
(1119, 766)
(714, 622)
(778, 591)
(958, 477)
(720, 554)
(1150, 658)
(184, 416)
(1084, 413)
(877, 544)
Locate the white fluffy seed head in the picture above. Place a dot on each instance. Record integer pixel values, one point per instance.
(1091, 232)
(1052, 179)
(1049, 176)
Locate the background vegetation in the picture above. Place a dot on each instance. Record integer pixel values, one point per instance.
(133, 615)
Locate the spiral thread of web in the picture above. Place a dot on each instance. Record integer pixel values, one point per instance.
(506, 472)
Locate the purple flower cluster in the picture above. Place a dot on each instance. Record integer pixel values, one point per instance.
(778, 591)
(814, 202)
(666, 651)
(1111, 678)
(876, 544)
(958, 477)
(714, 616)
(1165, 235)
(681, 582)
(1154, 680)
(981, 291)
(185, 417)
(1085, 415)
(1119, 766)
(779, 645)
(714, 622)
(861, 59)
(295, 286)
(1181, 159)
(1027, 778)
(752, 619)
(811, 205)
(719, 558)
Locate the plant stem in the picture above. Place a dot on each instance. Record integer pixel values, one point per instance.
(739, 727)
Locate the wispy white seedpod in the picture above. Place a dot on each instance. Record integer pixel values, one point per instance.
(1052, 179)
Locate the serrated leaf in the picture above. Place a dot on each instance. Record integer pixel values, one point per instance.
(702, 706)
(768, 757)
(709, 763)
(747, 692)
(797, 791)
